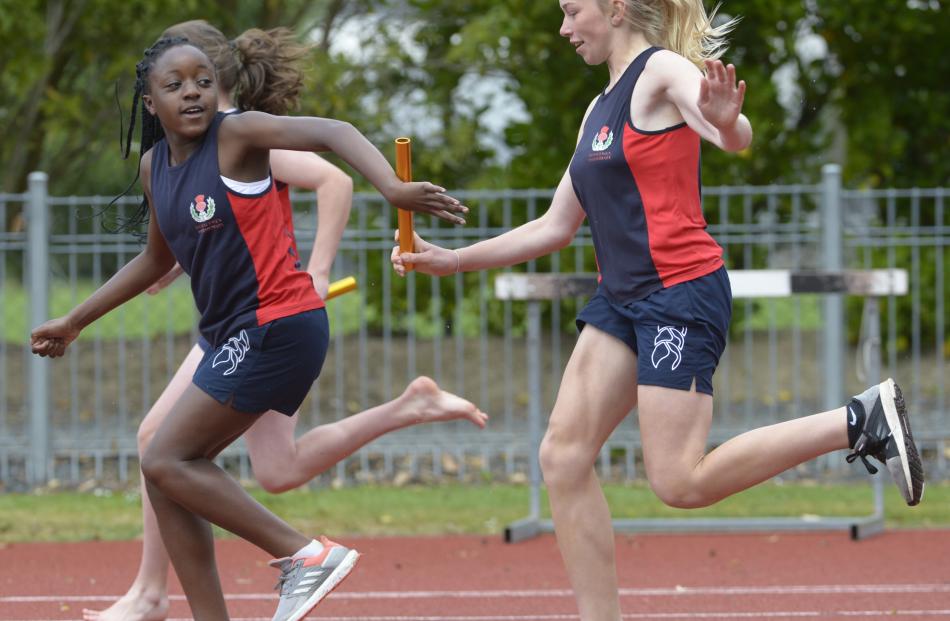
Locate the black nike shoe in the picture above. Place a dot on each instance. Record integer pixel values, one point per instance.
(886, 436)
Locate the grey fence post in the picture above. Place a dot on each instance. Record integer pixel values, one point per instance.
(38, 229)
(832, 240)
(535, 396)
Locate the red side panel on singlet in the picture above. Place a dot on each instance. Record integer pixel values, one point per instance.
(283, 289)
(665, 168)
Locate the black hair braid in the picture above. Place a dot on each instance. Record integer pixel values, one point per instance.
(151, 131)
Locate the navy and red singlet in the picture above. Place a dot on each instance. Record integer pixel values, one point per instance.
(641, 193)
(238, 249)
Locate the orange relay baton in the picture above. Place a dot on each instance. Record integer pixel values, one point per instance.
(339, 287)
(404, 172)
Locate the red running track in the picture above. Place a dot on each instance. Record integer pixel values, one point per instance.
(898, 575)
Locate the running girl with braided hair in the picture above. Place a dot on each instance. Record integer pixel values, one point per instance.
(260, 70)
(205, 206)
(652, 335)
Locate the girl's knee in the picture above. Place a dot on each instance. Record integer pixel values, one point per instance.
(145, 434)
(563, 460)
(275, 479)
(678, 492)
(157, 468)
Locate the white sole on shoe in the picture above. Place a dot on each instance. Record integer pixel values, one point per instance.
(896, 421)
(888, 398)
(342, 571)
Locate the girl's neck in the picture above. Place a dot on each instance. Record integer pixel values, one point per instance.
(224, 102)
(180, 149)
(627, 46)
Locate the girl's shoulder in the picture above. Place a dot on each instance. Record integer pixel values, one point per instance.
(145, 169)
(666, 70)
(668, 63)
(243, 124)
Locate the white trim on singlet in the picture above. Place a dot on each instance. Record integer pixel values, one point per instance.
(246, 187)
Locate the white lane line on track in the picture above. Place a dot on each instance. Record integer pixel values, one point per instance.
(892, 614)
(678, 591)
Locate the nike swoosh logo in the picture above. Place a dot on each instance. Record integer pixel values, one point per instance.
(854, 417)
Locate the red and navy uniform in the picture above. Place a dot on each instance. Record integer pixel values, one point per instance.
(238, 249)
(266, 325)
(663, 290)
(641, 192)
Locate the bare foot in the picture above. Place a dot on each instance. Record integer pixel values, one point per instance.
(132, 606)
(430, 404)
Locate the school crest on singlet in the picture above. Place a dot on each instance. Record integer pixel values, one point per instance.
(202, 208)
(602, 139)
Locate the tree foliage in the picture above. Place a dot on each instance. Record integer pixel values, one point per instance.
(846, 81)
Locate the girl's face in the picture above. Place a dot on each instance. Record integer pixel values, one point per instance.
(183, 92)
(587, 28)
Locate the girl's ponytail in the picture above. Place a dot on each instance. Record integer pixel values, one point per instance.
(679, 25)
(690, 32)
(269, 77)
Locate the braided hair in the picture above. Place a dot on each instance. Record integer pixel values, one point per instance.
(151, 131)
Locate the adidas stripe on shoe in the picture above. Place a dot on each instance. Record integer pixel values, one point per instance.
(305, 582)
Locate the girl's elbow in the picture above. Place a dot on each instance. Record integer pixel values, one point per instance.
(561, 238)
(342, 181)
(341, 128)
(334, 183)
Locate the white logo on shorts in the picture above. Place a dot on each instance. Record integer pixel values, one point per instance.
(669, 341)
(232, 352)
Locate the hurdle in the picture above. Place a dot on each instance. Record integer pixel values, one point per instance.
(535, 289)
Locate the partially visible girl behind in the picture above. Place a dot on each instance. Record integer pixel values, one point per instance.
(259, 70)
(266, 325)
(652, 334)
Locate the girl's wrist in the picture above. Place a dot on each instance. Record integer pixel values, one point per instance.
(390, 190)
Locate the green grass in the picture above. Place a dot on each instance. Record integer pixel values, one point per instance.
(172, 310)
(442, 509)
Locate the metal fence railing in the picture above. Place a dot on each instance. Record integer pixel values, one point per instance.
(75, 419)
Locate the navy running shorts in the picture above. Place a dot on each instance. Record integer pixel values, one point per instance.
(268, 367)
(677, 333)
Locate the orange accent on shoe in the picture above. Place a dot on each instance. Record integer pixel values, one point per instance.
(318, 559)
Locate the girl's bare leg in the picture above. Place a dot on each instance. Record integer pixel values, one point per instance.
(188, 491)
(674, 427)
(147, 598)
(597, 391)
(281, 463)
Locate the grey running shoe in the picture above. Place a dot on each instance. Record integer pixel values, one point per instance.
(304, 582)
(886, 437)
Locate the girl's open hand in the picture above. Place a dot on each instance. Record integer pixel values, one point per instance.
(427, 258)
(720, 98)
(425, 197)
(52, 338)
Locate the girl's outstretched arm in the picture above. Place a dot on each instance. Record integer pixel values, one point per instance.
(552, 231)
(241, 134)
(52, 337)
(334, 198)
